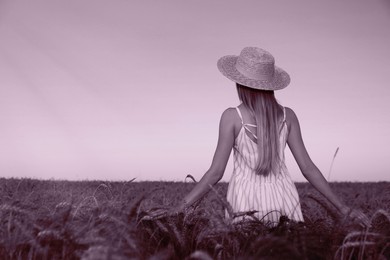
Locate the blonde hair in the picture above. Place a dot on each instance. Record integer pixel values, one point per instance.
(263, 105)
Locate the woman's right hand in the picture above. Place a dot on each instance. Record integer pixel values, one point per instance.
(165, 212)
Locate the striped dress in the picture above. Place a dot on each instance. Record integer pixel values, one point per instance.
(271, 196)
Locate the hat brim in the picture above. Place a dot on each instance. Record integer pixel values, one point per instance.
(227, 66)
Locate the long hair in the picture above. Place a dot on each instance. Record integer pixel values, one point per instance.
(263, 105)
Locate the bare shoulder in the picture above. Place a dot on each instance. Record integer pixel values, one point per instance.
(229, 112)
(290, 114)
(230, 119)
(229, 116)
(291, 117)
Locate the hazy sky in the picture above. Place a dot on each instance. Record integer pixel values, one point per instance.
(119, 89)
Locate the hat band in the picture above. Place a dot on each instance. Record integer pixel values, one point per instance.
(264, 71)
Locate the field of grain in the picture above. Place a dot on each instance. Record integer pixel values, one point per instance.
(109, 220)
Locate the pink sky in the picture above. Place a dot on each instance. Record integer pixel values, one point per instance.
(118, 89)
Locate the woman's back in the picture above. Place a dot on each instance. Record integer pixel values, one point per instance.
(245, 145)
(270, 195)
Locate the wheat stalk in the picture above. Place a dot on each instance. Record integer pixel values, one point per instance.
(331, 165)
(82, 202)
(381, 212)
(107, 187)
(191, 177)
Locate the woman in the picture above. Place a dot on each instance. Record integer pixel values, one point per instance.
(258, 131)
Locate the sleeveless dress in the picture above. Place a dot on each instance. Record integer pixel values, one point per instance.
(271, 196)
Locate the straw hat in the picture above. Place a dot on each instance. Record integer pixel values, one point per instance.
(254, 68)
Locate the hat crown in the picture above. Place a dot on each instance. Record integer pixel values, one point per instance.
(256, 63)
(254, 55)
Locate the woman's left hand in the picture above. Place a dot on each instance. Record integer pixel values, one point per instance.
(357, 215)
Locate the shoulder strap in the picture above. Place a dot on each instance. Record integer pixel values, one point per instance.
(239, 114)
(246, 125)
(284, 114)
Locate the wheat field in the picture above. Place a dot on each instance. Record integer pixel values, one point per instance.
(110, 220)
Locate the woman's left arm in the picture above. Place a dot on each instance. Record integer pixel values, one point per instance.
(312, 173)
(220, 159)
